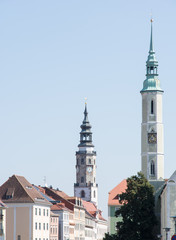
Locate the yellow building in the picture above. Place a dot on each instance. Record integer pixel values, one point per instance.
(28, 212)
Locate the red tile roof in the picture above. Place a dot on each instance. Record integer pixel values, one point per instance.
(113, 194)
(59, 206)
(93, 210)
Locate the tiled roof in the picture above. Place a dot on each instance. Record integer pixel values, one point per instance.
(59, 196)
(18, 190)
(89, 206)
(59, 206)
(93, 210)
(61, 193)
(113, 194)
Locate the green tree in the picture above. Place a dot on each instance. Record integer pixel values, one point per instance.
(110, 236)
(137, 210)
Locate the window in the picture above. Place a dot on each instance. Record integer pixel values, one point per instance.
(35, 226)
(94, 194)
(82, 194)
(44, 226)
(82, 179)
(152, 107)
(35, 211)
(39, 226)
(82, 160)
(152, 168)
(47, 212)
(39, 211)
(43, 212)
(89, 161)
(19, 237)
(47, 226)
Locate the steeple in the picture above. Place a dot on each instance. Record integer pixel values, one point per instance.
(151, 50)
(86, 134)
(86, 186)
(152, 82)
(152, 147)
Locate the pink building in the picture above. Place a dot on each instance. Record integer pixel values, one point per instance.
(54, 226)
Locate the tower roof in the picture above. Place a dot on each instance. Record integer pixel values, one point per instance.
(86, 134)
(152, 82)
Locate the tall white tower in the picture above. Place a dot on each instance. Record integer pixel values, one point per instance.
(85, 186)
(152, 149)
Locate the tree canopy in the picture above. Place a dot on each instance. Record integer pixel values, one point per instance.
(137, 211)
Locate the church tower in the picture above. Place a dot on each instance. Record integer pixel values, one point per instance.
(85, 186)
(152, 149)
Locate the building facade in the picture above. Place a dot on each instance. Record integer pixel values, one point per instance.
(114, 205)
(25, 202)
(2, 221)
(54, 226)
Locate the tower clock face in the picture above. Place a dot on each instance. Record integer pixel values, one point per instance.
(89, 169)
(152, 137)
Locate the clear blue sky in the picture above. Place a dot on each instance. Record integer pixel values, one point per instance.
(53, 54)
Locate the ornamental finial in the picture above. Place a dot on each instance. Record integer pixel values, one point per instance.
(85, 100)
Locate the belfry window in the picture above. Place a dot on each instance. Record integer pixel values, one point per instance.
(152, 168)
(82, 194)
(152, 107)
(82, 160)
(89, 161)
(94, 194)
(82, 179)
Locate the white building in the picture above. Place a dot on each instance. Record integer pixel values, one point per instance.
(2, 221)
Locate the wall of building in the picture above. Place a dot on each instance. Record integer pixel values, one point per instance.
(2, 224)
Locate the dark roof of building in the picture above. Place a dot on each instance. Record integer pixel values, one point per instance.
(18, 190)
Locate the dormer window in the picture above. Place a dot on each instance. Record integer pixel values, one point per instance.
(9, 193)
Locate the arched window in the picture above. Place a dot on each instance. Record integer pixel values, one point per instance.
(89, 161)
(82, 179)
(152, 107)
(152, 168)
(94, 194)
(82, 194)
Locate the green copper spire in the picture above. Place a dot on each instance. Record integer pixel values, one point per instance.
(152, 82)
